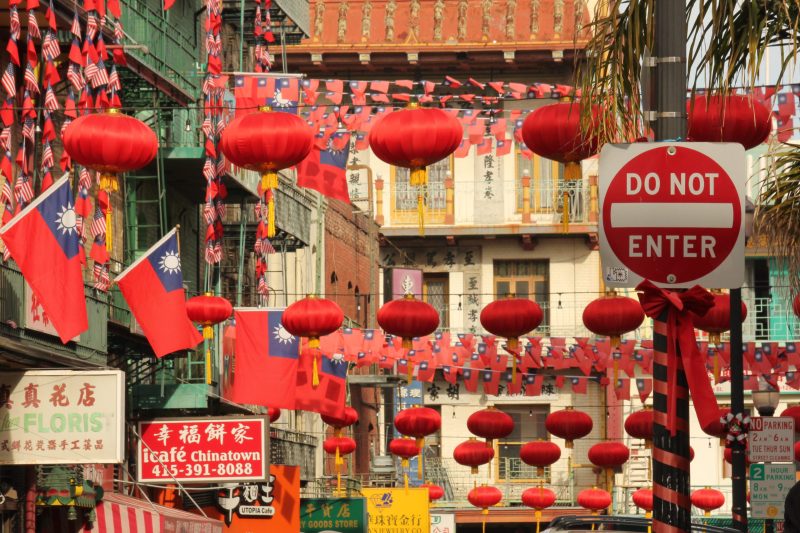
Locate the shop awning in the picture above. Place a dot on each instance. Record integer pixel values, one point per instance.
(118, 513)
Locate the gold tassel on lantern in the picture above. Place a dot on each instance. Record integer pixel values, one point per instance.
(270, 195)
(313, 343)
(208, 366)
(565, 213)
(572, 171)
(338, 461)
(404, 464)
(648, 515)
(421, 212)
(537, 515)
(513, 346)
(109, 183)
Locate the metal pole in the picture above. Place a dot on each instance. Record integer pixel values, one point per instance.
(739, 480)
(241, 35)
(671, 502)
(242, 227)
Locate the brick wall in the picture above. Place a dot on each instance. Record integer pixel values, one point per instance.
(351, 258)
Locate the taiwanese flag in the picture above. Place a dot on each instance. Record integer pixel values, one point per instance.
(786, 104)
(327, 398)
(324, 171)
(644, 386)
(153, 288)
(533, 384)
(266, 360)
(44, 241)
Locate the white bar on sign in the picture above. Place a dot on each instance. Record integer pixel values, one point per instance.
(671, 215)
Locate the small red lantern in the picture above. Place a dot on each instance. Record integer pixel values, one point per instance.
(540, 453)
(490, 424)
(796, 307)
(484, 497)
(569, 424)
(312, 317)
(348, 417)
(733, 118)
(405, 449)
(609, 455)
(267, 142)
(727, 454)
(415, 138)
(511, 318)
(793, 412)
(613, 316)
(538, 498)
(708, 499)
(639, 425)
(208, 310)
(418, 422)
(473, 453)
(594, 499)
(643, 499)
(274, 413)
(407, 318)
(111, 143)
(435, 492)
(339, 446)
(797, 451)
(718, 429)
(554, 132)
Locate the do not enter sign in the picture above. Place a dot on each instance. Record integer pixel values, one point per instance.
(672, 213)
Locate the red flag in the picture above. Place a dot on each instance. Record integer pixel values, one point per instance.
(579, 384)
(266, 360)
(44, 241)
(533, 384)
(328, 397)
(645, 387)
(324, 171)
(153, 288)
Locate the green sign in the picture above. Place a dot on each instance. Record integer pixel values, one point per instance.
(333, 515)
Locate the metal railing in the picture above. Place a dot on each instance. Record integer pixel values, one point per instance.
(295, 449)
(547, 200)
(404, 209)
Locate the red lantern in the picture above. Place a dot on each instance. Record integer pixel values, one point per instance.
(643, 499)
(609, 455)
(267, 142)
(796, 307)
(274, 413)
(733, 118)
(727, 454)
(473, 453)
(418, 422)
(511, 318)
(408, 318)
(793, 412)
(717, 319)
(339, 446)
(348, 417)
(405, 449)
(484, 497)
(554, 132)
(612, 316)
(435, 492)
(312, 317)
(415, 138)
(540, 453)
(594, 499)
(538, 498)
(490, 424)
(718, 429)
(208, 310)
(639, 425)
(569, 424)
(111, 143)
(708, 499)
(797, 451)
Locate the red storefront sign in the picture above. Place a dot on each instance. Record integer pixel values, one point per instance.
(203, 449)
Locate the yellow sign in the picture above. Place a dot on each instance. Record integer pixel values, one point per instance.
(397, 510)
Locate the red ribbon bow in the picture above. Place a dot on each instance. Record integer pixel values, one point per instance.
(682, 348)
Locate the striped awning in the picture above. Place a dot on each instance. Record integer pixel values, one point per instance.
(118, 513)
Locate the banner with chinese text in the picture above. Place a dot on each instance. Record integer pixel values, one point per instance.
(62, 417)
(333, 515)
(203, 449)
(397, 510)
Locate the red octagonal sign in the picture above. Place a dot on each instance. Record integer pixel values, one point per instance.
(672, 213)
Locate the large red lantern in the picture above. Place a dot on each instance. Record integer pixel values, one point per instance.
(490, 424)
(639, 425)
(418, 422)
(312, 317)
(435, 492)
(339, 446)
(613, 316)
(407, 318)
(643, 499)
(111, 143)
(415, 138)
(405, 449)
(348, 417)
(511, 318)
(538, 498)
(473, 453)
(733, 118)
(484, 496)
(609, 455)
(554, 132)
(267, 142)
(540, 453)
(707, 500)
(569, 424)
(208, 310)
(274, 413)
(594, 499)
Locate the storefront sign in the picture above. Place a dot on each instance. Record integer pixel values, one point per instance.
(397, 510)
(443, 523)
(62, 417)
(771, 439)
(769, 485)
(340, 515)
(203, 449)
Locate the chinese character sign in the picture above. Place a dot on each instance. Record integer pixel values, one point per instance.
(62, 417)
(397, 510)
(340, 515)
(203, 449)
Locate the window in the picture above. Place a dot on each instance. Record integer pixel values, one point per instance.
(546, 175)
(404, 205)
(525, 279)
(528, 426)
(435, 291)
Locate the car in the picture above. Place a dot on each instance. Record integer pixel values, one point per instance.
(635, 524)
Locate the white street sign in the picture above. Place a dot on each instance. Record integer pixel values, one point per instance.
(443, 523)
(769, 485)
(771, 440)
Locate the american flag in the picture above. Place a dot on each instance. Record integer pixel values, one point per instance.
(113, 80)
(76, 26)
(98, 223)
(31, 83)
(101, 75)
(14, 22)
(8, 81)
(84, 179)
(209, 170)
(263, 289)
(23, 190)
(101, 278)
(27, 129)
(220, 209)
(33, 25)
(50, 100)
(75, 77)
(50, 47)
(209, 213)
(267, 247)
(118, 33)
(5, 137)
(47, 155)
(91, 72)
(91, 26)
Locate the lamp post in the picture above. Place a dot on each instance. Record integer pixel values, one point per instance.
(765, 402)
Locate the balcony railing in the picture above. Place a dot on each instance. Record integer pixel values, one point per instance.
(294, 449)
